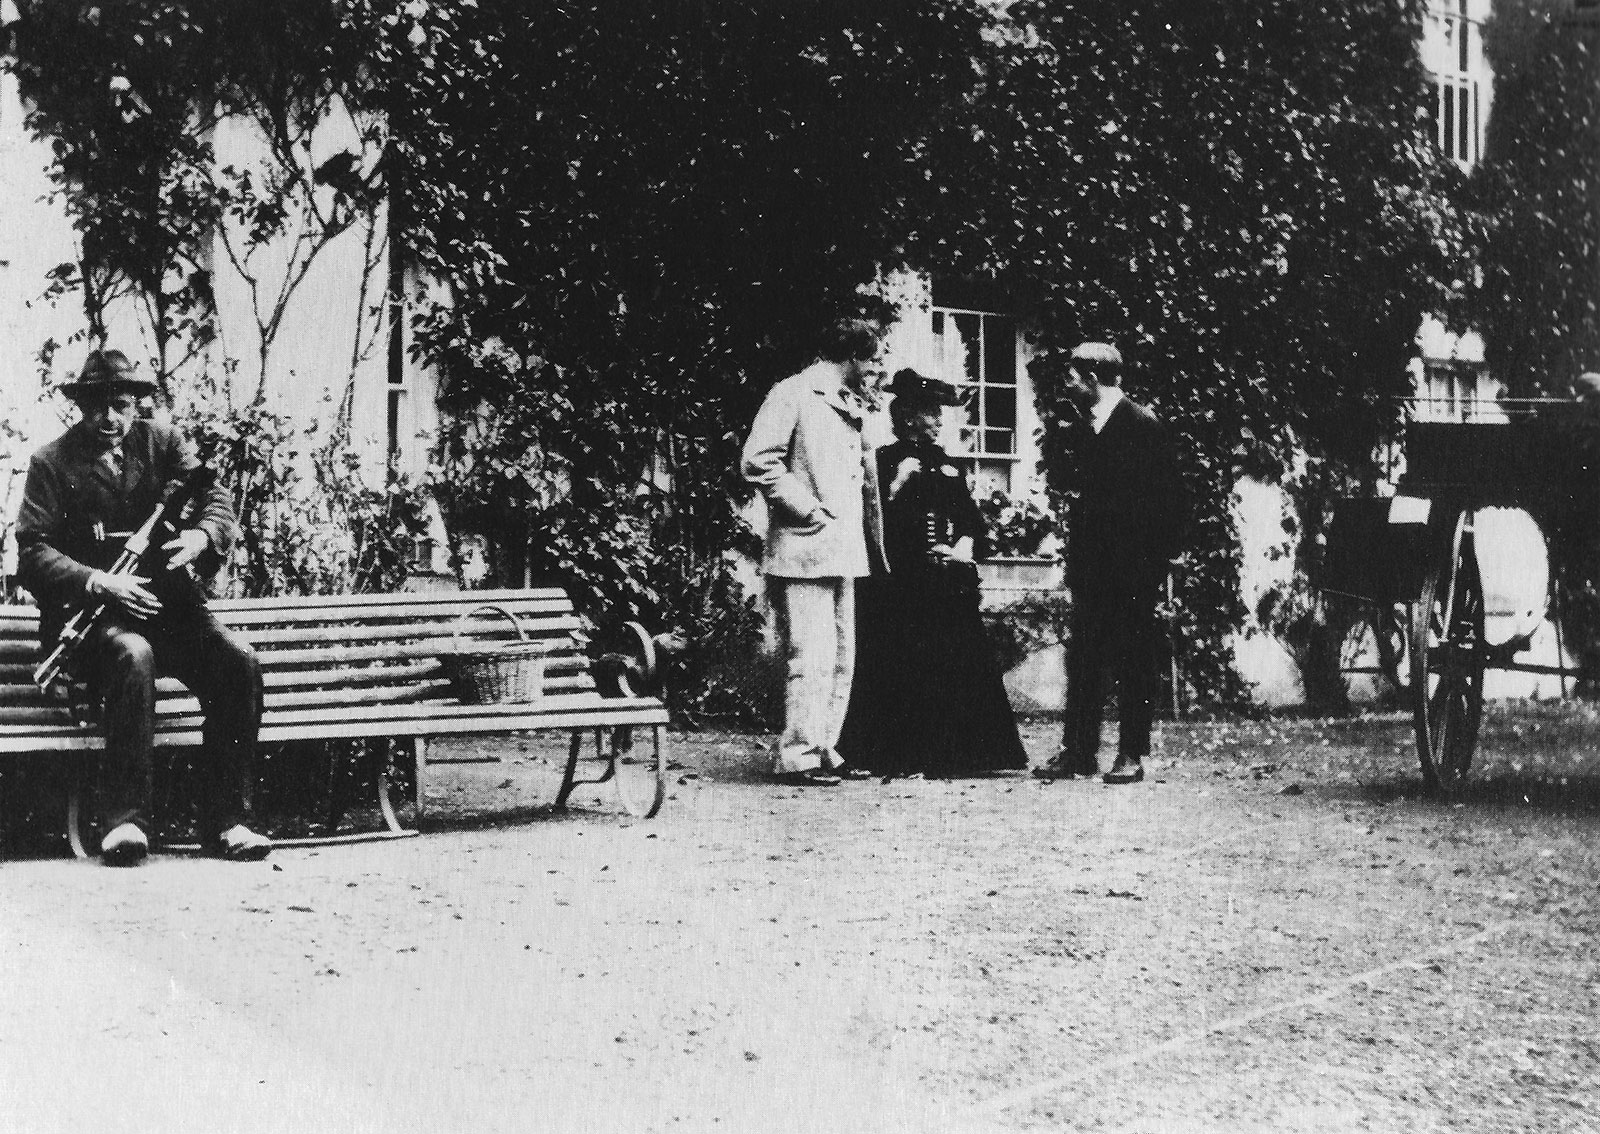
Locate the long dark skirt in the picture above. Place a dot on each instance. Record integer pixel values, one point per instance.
(928, 695)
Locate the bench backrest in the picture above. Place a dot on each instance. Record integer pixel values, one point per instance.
(326, 651)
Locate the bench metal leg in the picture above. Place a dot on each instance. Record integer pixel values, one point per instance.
(389, 792)
(638, 799)
(77, 818)
(569, 774)
(82, 818)
(615, 747)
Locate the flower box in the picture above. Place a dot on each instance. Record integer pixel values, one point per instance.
(1006, 577)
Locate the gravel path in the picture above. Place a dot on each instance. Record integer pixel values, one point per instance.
(1276, 932)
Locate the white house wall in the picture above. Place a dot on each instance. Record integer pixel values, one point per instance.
(307, 368)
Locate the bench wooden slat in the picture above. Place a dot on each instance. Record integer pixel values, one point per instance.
(428, 712)
(431, 602)
(475, 631)
(65, 739)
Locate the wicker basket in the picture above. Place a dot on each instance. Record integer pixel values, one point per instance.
(495, 673)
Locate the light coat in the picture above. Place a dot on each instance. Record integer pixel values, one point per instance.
(807, 448)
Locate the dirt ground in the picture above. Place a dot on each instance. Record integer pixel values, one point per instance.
(1276, 932)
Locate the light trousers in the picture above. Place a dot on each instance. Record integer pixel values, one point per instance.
(816, 621)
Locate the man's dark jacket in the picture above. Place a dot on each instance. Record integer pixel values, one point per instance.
(76, 514)
(1127, 520)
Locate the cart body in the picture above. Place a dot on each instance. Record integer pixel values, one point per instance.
(1412, 557)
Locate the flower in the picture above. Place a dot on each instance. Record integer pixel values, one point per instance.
(1018, 526)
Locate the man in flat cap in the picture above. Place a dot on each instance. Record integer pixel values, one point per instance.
(1123, 528)
(86, 492)
(809, 456)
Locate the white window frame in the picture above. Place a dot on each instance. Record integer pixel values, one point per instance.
(976, 430)
(1454, 53)
(1454, 390)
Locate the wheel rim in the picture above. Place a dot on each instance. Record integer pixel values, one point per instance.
(641, 776)
(1447, 662)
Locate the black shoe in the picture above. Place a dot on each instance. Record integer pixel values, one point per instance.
(811, 777)
(1127, 770)
(240, 844)
(124, 845)
(1064, 767)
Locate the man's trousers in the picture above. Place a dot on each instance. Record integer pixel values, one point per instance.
(816, 621)
(122, 658)
(1113, 632)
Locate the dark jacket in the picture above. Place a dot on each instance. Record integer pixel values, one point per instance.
(934, 506)
(76, 515)
(1128, 517)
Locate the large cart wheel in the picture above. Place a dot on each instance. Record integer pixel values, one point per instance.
(1448, 657)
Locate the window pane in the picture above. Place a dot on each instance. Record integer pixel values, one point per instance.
(1448, 142)
(1000, 408)
(394, 421)
(1000, 350)
(1001, 442)
(968, 331)
(1464, 152)
(1477, 132)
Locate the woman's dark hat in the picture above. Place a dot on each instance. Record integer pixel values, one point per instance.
(107, 372)
(910, 385)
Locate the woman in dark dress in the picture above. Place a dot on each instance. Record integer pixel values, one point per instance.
(927, 695)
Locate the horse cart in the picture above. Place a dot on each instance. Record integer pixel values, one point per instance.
(1410, 564)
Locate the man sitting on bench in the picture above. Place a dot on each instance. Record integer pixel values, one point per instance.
(86, 492)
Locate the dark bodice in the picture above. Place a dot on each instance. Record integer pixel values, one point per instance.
(933, 507)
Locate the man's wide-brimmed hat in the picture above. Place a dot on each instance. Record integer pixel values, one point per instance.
(912, 386)
(107, 372)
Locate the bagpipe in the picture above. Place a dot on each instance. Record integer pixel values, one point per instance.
(179, 502)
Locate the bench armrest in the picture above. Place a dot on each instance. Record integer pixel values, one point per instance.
(628, 664)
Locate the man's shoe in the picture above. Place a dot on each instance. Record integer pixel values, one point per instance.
(240, 844)
(1064, 767)
(124, 845)
(1127, 770)
(811, 777)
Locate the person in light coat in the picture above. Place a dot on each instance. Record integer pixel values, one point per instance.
(808, 455)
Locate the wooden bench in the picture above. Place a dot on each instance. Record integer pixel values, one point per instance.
(369, 666)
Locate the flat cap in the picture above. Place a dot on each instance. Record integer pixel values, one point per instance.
(1103, 353)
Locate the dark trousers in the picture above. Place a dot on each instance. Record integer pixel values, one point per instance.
(1113, 632)
(122, 658)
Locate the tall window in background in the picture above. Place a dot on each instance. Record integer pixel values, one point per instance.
(1453, 51)
(978, 350)
(396, 409)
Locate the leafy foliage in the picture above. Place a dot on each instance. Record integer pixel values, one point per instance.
(646, 214)
(1243, 198)
(1539, 185)
(641, 214)
(325, 531)
(131, 96)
